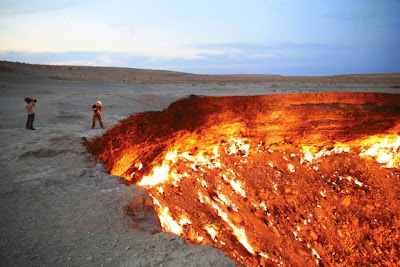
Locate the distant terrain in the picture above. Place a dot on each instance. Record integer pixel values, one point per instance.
(133, 75)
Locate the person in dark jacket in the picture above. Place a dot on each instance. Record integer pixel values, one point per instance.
(96, 114)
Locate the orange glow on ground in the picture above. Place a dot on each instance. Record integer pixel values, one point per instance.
(291, 180)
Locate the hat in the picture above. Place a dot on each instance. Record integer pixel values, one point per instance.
(99, 103)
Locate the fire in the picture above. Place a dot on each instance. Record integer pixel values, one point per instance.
(166, 219)
(211, 231)
(385, 149)
(301, 180)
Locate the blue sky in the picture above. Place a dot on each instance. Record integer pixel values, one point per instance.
(288, 37)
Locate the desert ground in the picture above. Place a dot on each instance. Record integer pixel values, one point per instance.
(59, 206)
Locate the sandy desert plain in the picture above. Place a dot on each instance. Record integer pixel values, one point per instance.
(59, 206)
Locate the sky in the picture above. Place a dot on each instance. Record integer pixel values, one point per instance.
(287, 37)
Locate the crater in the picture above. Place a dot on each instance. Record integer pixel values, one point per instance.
(271, 180)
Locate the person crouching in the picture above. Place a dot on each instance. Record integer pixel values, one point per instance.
(96, 114)
(29, 104)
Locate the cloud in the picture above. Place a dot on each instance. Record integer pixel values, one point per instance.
(232, 58)
(75, 63)
(99, 60)
(106, 59)
(12, 8)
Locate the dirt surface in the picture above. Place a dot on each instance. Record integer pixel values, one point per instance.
(58, 205)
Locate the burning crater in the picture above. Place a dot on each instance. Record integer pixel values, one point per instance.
(286, 180)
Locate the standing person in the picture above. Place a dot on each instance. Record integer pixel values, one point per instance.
(29, 104)
(96, 114)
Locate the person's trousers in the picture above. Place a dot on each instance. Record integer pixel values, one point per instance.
(95, 118)
(29, 122)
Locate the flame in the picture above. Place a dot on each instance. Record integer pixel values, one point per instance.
(123, 164)
(166, 219)
(385, 149)
(245, 183)
(382, 148)
(291, 168)
(211, 230)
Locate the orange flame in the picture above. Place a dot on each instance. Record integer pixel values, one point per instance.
(286, 182)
